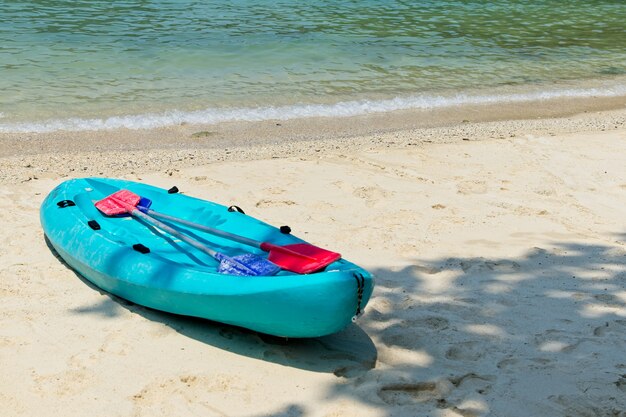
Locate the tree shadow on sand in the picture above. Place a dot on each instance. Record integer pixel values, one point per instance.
(537, 335)
(542, 334)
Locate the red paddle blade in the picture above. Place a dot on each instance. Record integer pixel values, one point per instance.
(302, 258)
(118, 203)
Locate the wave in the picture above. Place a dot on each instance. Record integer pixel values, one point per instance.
(253, 114)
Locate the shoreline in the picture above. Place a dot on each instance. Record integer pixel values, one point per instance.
(25, 157)
(150, 118)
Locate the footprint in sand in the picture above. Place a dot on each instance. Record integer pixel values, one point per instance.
(471, 187)
(436, 323)
(430, 270)
(371, 195)
(206, 180)
(274, 203)
(556, 341)
(198, 392)
(617, 326)
(65, 384)
(577, 405)
(503, 266)
(481, 265)
(507, 362)
(430, 322)
(474, 382)
(274, 190)
(609, 300)
(354, 369)
(547, 192)
(437, 391)
(465, 351)
(417, 392)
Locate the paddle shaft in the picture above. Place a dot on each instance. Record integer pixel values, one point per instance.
(266, 246)
(216, 232)
(154, 222)
(124, 201)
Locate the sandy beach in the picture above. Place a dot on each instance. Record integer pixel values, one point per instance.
(497, 239)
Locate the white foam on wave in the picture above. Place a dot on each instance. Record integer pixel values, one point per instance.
(342, 109)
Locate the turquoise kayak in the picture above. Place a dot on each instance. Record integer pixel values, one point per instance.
(138, 262)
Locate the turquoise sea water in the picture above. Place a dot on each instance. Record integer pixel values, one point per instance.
(79, 64)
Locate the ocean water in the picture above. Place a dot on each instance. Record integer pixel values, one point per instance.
(90, 64)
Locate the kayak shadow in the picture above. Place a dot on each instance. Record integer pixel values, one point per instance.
(347, 354)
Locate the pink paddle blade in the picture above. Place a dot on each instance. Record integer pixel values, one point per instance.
(302, 258)
(118, 203)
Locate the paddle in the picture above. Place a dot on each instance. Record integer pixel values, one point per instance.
(124, 201)
(302, 258)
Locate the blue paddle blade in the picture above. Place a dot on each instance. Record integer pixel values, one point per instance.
(246, 265)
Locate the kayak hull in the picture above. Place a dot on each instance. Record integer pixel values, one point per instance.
(179, 279)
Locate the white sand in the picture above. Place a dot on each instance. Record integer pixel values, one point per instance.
(501, 287)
